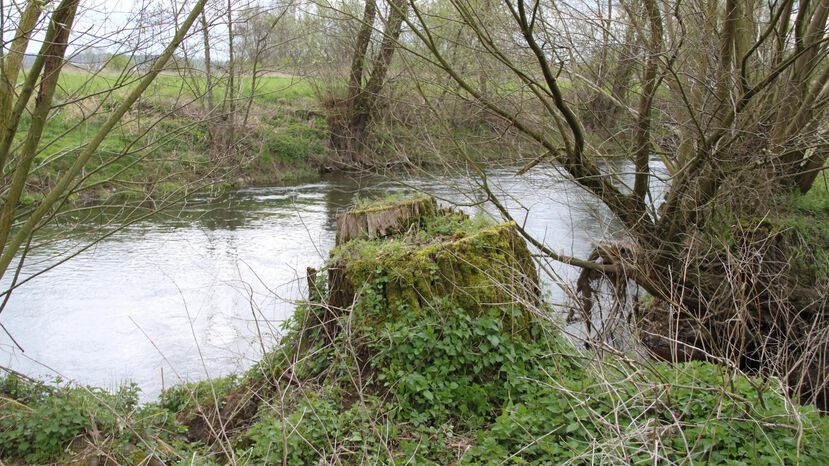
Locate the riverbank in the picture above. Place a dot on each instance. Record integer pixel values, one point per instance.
(424, 368)
(167, 145)
(171, 145)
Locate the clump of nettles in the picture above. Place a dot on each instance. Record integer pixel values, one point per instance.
(429, 343)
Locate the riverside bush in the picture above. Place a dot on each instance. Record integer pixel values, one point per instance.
(39, 423)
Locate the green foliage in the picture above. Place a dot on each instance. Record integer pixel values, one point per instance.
(440, 379)
(185, 397)
(806, 219)
(316, 429)
(300, 436)
(444, 364)
(698, 412)
(794, 226)
(292, 143)
(449, 378)
(719, 423)
(816, 200)
(39, 423)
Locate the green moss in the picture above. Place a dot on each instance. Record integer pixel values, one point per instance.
(472, 262)
(376, 204)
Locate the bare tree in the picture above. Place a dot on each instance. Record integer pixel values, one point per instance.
(24, 120)
(350, 118)
(611, 75)
(258, 44)
(732, 98)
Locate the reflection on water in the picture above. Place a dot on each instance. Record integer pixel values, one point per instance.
(180, 297)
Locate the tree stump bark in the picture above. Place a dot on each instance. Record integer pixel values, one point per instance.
(383, 220)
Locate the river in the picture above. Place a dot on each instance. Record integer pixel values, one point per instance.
(184, 296)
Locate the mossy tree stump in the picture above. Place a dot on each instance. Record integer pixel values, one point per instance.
(411, 264)
(383, 219)
(408, 256)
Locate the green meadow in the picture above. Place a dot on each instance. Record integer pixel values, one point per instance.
(166, 144)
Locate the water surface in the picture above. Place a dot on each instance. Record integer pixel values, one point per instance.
(199, 292)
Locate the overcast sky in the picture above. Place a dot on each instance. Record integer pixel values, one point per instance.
(111, 25)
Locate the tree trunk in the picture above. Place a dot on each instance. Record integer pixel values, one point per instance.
(208, 68)
(603, 110)
(350, 119)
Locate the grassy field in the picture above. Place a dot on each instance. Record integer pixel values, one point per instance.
(269, 88)
(166, 143)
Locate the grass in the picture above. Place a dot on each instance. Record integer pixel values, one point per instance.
(816, 200)
(269, 88)
(164, 145)
(807, 218)
(286, 139)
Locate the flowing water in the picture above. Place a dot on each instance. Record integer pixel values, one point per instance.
(201, 291)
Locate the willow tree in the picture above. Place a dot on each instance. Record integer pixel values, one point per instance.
(350, 117)
(28, 101)
(610, 67)
(730, 97)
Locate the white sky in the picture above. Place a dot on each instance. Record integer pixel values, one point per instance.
(112, 25)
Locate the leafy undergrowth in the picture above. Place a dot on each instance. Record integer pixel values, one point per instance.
(439, 389)
(442, 387)
(436, 383)
(65, 424)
